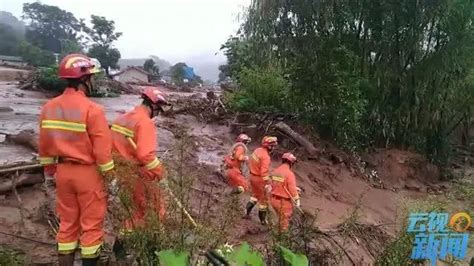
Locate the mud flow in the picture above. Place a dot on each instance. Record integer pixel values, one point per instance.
(334, 183)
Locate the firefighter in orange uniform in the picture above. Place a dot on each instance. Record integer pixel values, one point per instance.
(75, 145)
(284, 190)
(259, 165)
(134, 138)
(233, 164)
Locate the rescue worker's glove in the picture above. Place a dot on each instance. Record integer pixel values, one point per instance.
(298, 189)
(110, 175)
(268, 188)
(298, 203)
(49, 171)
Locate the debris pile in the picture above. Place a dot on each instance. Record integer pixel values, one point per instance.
(206, 109)
(30, 81)
(118, 87)
(30, 169)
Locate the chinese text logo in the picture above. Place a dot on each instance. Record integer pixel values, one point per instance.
(437, 236)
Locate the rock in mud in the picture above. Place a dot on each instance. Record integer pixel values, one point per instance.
(414, 187)
(6, 109)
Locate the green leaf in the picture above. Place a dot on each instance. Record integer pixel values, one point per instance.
(292, 258)
(171, 257)
(243, 256)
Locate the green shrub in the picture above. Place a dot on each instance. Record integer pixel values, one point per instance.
(11, 257)
(34, 55)
(49, 80)
(261, 90)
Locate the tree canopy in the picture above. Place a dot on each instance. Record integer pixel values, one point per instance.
(177, 72)
(362, 72)
(103, 34)
(49, 26)
(152, 68)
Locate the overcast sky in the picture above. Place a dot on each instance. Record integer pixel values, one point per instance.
(171, 29)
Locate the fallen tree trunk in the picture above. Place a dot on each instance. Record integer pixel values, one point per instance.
(26, 138)
(23, 180)
(309, 147)
(22, 167)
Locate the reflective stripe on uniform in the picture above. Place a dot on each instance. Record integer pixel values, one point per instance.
(65, 247)
(63, 125)
(254, 156)
(153, 164)
(47, 160)
(262, 206)
(123, 130)
(266, 178)
(107, 166)
(278, 178)
(253, 199)
(90, 252)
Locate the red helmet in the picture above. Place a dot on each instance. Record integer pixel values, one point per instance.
(243, 138)
(74, 66)
(155, 96)
(269, 141)
(289, 157)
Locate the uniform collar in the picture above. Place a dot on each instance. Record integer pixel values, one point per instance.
(142, 110)
(72, 91)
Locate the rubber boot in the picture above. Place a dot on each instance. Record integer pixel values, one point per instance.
(262, 215)
(249, 208)
(66, 259)
(90, 261)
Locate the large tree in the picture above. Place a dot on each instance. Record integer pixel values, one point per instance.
(9, 40)
(49, 26)
(102, 35)
(152, 68)
(365, 72)
(35, 56)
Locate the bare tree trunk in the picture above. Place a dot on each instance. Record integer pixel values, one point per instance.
(26, 138)
(23, 180)
(309, 147)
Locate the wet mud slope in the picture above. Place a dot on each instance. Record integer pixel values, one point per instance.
(334, 183)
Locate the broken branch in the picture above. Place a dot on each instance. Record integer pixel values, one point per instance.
(309, 147)
(22, 180)
(26, 138)
(20, 168)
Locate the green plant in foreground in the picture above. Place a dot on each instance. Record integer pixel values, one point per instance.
(170, 257)
(292, 258)
(11, 257)
(245, 256)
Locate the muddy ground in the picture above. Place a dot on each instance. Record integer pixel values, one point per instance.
(333, 183)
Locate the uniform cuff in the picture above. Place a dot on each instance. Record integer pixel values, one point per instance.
(47, 160)
(107, 166)
(153, 164)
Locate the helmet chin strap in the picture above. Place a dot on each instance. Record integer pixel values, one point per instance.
(155, 111)
(86, 81)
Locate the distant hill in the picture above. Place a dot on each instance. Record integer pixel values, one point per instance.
(163, 64)
(204, 65)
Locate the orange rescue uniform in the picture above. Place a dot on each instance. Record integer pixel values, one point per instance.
(283, 190)
(259, 166)
(74, 134)
(233, 164)
(134, 138)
